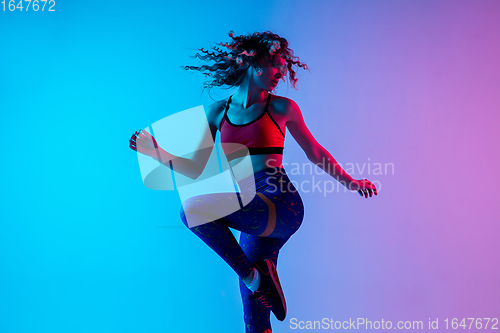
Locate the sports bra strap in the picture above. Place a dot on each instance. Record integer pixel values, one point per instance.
(225, 112)
(268, 100)
(227, 105)
(271, 117)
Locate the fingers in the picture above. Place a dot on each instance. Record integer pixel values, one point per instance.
(142, 134)
(367, 192)
(144, 139)
(372, 188)
(133, 143)
(137, 133)
(369, 189)
(133, 140)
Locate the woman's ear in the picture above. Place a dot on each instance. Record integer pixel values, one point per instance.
(251, 70)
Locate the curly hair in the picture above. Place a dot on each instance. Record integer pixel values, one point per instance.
(245, 50)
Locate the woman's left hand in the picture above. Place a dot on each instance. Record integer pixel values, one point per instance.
(363, 186)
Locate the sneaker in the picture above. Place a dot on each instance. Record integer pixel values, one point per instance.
(270, 292)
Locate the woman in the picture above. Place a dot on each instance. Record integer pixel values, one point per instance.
(254, 118)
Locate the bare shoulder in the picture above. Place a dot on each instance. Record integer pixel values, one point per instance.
(284, 107)
(215, 112)
(216, 106)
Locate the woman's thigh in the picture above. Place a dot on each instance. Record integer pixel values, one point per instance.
(272, 208)
(252, 218)
(268, 214)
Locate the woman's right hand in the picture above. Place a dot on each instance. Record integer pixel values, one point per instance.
(142, 142)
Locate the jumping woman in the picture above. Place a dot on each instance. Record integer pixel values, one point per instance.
(257, 120)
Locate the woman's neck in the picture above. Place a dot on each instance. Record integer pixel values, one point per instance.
(249, 94)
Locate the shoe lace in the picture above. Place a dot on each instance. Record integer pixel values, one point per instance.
(264, 301)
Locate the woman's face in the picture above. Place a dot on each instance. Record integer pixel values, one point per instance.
(272, 71)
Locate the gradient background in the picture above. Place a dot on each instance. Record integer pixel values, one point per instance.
(85, 247)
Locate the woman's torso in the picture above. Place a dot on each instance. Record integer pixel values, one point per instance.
(239, 116)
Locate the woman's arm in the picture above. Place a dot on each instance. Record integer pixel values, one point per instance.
(191, 167)
(318, 155)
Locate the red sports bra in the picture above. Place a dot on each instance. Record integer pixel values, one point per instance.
(260, 136)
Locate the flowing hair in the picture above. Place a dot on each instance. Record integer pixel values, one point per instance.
(245, 50)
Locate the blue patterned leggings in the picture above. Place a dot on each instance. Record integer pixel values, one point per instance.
(266, 223)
